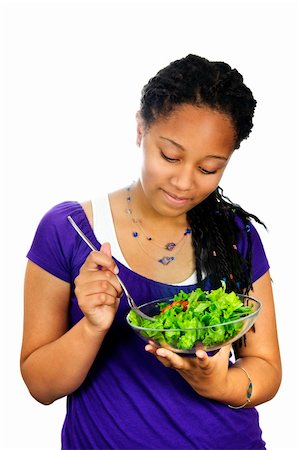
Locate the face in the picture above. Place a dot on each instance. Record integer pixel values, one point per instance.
(184, 158)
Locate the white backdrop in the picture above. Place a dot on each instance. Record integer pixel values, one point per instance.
(71, 75)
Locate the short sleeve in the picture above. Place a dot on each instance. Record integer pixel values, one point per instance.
(260, 264)
(53, 244)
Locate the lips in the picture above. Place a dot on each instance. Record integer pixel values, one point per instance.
(175, 199)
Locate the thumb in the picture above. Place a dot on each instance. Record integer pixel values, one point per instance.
(106, 249)
(203, 358)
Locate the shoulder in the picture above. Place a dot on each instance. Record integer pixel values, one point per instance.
(56, 216)
(55, 222)
(60, 209)
(56, 247)
(250, 246)
(54, 227)
(87, 207)
(246, 229)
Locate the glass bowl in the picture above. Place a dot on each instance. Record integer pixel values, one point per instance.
(187, 340)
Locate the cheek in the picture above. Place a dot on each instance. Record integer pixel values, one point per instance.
(148, 175)
(152, 168)
(210, 182)
(206, 185)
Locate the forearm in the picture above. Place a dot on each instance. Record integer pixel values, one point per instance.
(232, 390)
(59, 367)
(265, 378)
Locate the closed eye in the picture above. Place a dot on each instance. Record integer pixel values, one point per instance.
(173, 160)
(167, 158)
(207, 172)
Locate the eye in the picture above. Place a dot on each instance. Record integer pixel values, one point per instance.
(167, 158)
(207, 172)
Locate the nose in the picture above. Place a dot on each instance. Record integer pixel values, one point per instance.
(183, 179)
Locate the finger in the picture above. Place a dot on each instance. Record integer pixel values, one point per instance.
(96, 287)
(87, 276)
(99, 299)
(97, 259)
(151, 347)
(98, 281)
(170, 359)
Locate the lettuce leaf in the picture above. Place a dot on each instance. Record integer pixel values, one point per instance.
(183, 323)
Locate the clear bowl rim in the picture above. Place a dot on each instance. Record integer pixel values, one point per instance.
(241, 319)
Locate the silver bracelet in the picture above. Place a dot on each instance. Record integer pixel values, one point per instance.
(248, 392)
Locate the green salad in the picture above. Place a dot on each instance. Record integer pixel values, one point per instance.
(183, 322)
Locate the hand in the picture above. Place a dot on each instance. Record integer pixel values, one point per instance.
(97, 289)
(206, 374)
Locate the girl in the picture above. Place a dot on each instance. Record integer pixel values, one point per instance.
(170, 230)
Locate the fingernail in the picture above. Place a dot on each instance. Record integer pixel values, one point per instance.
(116, 270)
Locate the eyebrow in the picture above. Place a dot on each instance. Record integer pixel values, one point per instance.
(173, 142)
(183, 149)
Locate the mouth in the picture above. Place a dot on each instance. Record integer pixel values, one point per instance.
(175, 199)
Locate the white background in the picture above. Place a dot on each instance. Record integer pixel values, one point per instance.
(71, 76)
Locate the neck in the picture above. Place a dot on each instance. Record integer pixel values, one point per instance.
(143, 209)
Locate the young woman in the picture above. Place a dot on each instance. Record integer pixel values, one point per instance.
(170, 230)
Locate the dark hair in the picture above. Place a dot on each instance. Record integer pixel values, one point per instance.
(216, 222)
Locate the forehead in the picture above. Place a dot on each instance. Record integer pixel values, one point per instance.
(191, 125)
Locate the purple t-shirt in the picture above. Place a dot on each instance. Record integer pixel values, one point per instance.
(129, 400)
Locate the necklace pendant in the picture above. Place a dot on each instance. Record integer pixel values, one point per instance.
(170, 246)
(166, 260)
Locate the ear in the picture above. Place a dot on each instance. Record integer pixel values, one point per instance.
(140, 128)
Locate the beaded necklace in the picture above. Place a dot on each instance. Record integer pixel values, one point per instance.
(170, 246)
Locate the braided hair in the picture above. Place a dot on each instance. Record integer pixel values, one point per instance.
(216, 222)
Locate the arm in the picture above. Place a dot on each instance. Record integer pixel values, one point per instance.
(55, 360)
(261, 357)
(211, 377)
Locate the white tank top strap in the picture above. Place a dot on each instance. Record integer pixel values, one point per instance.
(104, 230)
(103, 226)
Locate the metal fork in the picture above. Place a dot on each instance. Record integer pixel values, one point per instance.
(130, 300)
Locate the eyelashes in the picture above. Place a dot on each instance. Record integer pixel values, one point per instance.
(173, 160)
(207, 172)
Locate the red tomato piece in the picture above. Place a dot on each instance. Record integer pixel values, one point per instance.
(183, 303)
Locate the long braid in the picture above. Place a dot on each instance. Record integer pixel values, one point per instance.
(246, 217)
(213, 260)
(215, 234)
